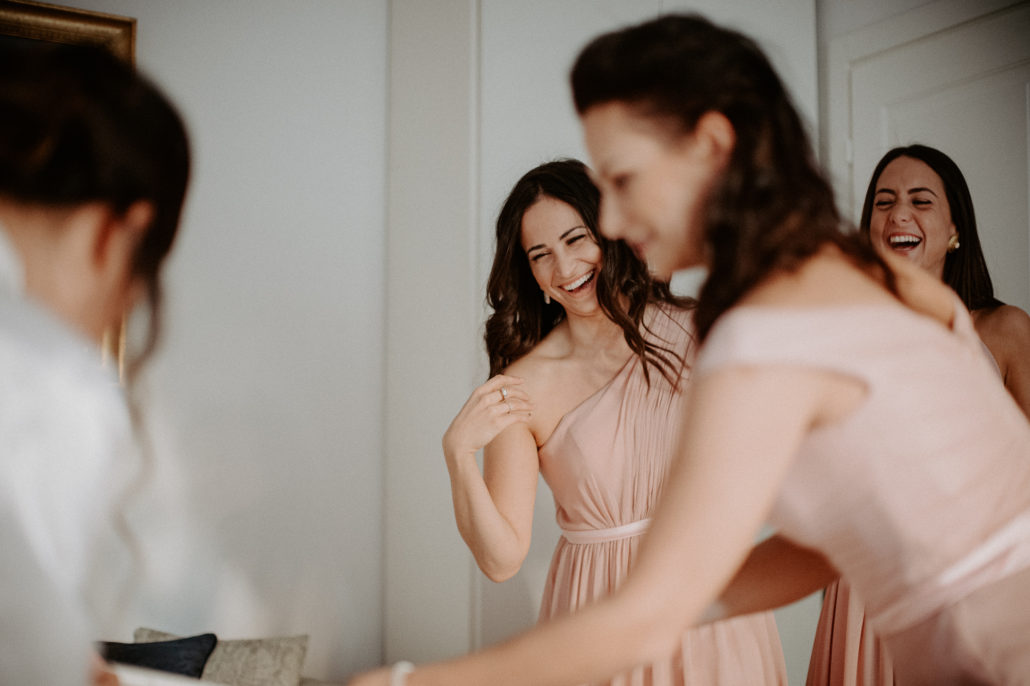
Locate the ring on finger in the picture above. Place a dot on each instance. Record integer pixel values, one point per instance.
(504, 393)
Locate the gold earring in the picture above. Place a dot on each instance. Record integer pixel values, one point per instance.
(547, 299)
(953, 243)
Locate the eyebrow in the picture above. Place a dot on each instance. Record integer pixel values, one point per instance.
(560, 238)
(917, 189)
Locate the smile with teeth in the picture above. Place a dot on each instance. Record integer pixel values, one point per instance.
(581, 281)
(903, 241)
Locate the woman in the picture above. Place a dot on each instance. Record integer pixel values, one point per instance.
(918, 205)
(588, 357)
(831, 395)
(93, 170)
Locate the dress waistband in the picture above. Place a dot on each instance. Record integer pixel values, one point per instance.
(601, 535)
(1005, 552)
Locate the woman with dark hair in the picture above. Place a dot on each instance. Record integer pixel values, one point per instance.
(918, 205)
(93, 171)
(588, 357)
(831, 395)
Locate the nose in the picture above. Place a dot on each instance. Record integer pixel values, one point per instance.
(900, 213)
(610, 219)
(565, 262)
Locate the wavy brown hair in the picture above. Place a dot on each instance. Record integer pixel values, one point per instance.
(773, 208)
(521, 319)
(965, 269)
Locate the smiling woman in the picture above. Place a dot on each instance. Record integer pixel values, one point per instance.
(918, 205)
(581, 405)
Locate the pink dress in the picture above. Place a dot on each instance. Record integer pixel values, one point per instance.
(921, 497)
(605, 463)
(845, 651)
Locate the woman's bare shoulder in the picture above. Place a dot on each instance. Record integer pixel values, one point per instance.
(1005, 327)
(538, 367)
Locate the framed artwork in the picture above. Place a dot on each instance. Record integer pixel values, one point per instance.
(28, 20)
(37, 21)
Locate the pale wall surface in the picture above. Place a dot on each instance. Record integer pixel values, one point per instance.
(263, 516)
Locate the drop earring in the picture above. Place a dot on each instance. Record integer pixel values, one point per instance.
(953, 243)
(547, 299)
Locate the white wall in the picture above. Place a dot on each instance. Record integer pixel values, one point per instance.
(266, 398)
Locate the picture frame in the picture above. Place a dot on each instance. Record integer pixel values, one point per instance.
(27, 19)
(30, 20)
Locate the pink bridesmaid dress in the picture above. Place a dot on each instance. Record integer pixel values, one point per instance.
(605, 463)
(920, 497)
(845, 651)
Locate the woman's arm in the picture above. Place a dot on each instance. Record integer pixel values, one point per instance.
(494, 509)
(741, 431)
(775, 573)
(1006, 333)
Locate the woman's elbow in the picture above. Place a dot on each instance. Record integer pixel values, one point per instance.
(499, 570)
(500, 575)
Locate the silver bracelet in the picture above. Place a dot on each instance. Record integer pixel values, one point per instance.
(399, 673)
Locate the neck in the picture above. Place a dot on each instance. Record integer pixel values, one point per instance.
(51, 264)
(595, 334)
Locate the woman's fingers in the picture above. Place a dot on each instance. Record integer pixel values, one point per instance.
(500, 386)
(492, 408)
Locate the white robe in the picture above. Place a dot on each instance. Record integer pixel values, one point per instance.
(66, 453)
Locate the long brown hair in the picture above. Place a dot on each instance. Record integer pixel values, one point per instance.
(521, 318)
(772, 208)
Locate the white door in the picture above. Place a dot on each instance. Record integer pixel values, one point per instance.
(956, 76)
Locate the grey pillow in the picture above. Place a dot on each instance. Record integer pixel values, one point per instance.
(273, 661)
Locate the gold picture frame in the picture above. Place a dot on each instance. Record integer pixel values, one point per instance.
(29, 20)
(55, 24)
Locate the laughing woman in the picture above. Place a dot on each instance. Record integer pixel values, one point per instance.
(589, 358)
(840, 395)
(919, 205)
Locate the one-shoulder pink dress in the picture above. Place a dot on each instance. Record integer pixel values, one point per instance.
(920, 497)
(846, 651)
(605, 464)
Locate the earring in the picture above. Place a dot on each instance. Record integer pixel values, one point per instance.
(953, 243)
(547, 299)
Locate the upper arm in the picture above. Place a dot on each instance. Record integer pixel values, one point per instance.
(741, 431)
(510, 470)
(1011, 338)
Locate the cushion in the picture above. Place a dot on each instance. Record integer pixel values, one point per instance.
(274, 661)
(185, 656)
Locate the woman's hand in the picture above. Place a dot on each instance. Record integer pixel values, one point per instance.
(101, 674)
(492, 408)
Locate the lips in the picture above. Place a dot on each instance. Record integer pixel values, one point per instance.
(902, 242)
(579, 283)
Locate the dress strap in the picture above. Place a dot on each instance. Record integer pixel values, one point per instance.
(615, 533)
